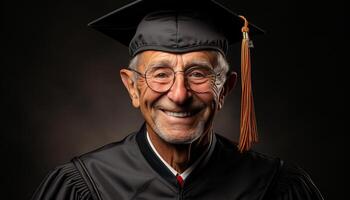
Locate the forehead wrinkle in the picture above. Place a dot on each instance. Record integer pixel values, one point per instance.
(161, 60)
(152, 59)
(179, 61)
(201, 58)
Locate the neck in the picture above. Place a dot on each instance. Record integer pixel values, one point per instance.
(180, 156)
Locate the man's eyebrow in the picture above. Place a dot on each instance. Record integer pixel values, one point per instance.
(199, 63)
(161, 63)
(167, 63)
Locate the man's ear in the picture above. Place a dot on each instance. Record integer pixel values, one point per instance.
(130, 84)
(229, 84)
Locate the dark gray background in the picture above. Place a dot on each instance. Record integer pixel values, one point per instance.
(62, 95)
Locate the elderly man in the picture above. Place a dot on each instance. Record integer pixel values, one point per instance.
(178, 78)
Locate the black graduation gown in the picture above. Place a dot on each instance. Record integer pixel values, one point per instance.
(129, 170)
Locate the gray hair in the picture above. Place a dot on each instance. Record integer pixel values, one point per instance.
(134, 62)
(222, 66)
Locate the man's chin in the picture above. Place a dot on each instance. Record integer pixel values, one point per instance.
(178, 136)
(173, 140)
(178, 133)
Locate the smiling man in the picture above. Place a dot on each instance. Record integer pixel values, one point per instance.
(178, 95)
(178, 77)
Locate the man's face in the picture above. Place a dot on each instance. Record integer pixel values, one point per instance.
(180, 115)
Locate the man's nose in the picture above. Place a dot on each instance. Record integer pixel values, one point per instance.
(179, 92)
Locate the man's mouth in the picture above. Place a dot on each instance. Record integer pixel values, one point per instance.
(180, 114)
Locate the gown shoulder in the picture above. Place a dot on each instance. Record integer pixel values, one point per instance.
(293, 183)
(63, 183)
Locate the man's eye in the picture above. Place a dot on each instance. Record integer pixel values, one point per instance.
(197, 74)
(161, 75)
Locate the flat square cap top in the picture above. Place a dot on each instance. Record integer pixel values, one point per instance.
(174, 26)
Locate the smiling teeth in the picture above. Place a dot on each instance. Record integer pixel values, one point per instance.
(178, 114)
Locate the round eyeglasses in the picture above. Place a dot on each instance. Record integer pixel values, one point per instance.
(161, 79)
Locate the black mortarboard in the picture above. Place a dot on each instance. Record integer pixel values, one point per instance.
(181, 26)
(173, 25)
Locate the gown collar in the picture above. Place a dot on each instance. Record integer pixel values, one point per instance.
(159, 166)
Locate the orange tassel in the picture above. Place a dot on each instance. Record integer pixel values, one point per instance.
(248, 126)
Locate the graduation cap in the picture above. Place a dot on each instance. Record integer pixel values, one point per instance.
(181, 26)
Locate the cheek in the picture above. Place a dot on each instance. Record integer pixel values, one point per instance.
(211, 100)
(141, 85)
(147, 99)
